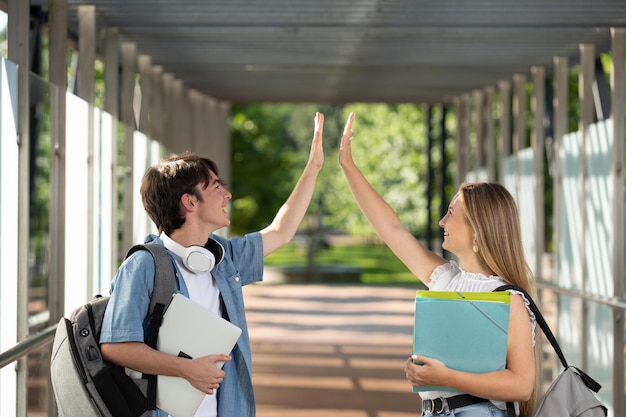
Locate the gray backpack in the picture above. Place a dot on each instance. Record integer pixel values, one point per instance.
(572, 394)
(84, 384)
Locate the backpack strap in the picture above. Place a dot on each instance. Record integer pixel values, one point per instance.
(540, 320)
(164, 283)
(591, 383)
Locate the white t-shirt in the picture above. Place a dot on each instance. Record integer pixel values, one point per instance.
(451, 277)
(203, 290)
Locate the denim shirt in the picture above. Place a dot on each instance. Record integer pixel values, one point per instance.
(125, 319)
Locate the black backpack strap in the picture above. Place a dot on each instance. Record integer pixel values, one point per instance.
(164, 283)
(591, 383)
(540, 321)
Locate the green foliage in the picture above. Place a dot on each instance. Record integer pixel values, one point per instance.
(271, 144)
(376, 261)
(388, 147)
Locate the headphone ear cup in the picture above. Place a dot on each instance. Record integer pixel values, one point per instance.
(216, 249)
(198, 259)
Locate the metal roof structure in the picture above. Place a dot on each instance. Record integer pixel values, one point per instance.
(337, 51)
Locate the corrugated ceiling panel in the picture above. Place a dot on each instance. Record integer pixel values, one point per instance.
(353, 50)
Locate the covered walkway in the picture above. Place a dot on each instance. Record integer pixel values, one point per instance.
(500, 73)
(331, 350)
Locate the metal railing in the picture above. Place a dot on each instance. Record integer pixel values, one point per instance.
(27, 345)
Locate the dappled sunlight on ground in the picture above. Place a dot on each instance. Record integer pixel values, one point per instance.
(331, 350)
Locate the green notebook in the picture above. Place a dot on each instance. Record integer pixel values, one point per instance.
(467, 331)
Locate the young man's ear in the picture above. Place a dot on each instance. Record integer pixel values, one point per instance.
(188, 201)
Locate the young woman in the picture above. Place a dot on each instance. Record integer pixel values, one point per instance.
(482, 229)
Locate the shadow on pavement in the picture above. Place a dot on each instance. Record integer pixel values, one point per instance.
(331, 350)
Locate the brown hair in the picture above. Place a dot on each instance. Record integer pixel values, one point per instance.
(493, 215)
(165, 183)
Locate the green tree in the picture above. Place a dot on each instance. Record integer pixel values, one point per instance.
(271, 144)
(389, 148)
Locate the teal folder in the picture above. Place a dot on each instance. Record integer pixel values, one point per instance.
(467, 331)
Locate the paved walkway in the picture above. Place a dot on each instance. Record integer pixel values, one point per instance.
(331, 350)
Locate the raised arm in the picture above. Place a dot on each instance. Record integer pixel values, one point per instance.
(382, 217)
(285, 224)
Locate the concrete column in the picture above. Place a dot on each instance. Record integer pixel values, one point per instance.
(538, 144)
(618, 98)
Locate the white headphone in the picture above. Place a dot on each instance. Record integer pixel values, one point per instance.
(197, 259)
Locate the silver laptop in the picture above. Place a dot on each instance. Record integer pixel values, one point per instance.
(190, 330)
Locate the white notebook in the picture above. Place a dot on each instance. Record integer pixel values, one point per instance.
(189, 328)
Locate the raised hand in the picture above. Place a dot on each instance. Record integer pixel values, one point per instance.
(316, 156)
(345, 151)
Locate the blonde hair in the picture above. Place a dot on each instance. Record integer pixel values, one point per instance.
(493, 215)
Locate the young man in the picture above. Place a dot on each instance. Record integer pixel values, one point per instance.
(187, 201)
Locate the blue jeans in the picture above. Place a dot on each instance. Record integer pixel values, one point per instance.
(484, 409)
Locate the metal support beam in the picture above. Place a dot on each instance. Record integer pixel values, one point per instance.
(462, 152)
(561, 97)
(490, 142)
(129, 70)
(601, 97)
(18, 52)
(585, 95)
(158, 104)
(443, 150)
(538, 144)
(57, 23)
(111, 106)
(519, 116)
(505, 125)
(618, 100)
(86, 90)
(430, 176)
(478, 150)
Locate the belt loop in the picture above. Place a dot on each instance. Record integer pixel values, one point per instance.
(444, 406)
